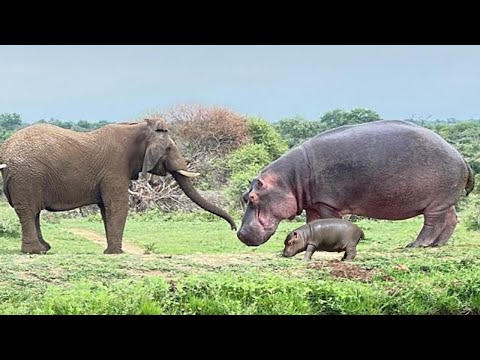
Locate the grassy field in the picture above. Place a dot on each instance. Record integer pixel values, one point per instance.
(191, 265)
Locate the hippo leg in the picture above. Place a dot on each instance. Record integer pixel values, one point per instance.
(350, 253)
(434, 223)
(449, 228)
(312, 215)
(309, 252)
(327, 212)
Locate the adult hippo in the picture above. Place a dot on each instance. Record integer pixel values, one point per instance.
(391, 170)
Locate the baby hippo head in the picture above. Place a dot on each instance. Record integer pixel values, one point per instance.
(294, 243)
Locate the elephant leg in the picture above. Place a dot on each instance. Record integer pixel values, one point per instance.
(30, 241)
(434, 224)
(39, 233)
(104, 218)
(115, 214)
(451, 223)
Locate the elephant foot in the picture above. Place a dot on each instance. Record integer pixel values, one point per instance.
(438, 244)
(109, 250)
(45, 244)
(33, 248)
(416, 244)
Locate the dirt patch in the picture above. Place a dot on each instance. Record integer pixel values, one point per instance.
(27, 276)
(101, 240)
(220, 260)
(143, 273)
(344, 270)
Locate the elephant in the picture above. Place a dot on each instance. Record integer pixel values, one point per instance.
(48, 167)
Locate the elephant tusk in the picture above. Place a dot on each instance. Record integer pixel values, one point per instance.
(3, 166)
(188, 173)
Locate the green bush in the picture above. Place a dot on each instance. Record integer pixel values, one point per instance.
(263, 133)
(471, 212)
(251, 156)
(9, 223)
(295, 131)
(338, 117)
(244, 164)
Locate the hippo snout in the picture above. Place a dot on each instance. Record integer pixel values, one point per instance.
(252, 237)
(245, 237)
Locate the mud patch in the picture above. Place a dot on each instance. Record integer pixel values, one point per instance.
(344, 270)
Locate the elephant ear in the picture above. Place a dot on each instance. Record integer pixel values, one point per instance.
(152, 156)
(158, 124)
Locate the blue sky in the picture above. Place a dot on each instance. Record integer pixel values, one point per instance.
(118, 83)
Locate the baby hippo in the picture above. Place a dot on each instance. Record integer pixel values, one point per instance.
(324, 235)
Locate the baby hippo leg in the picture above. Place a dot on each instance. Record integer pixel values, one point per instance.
(309, 252)
(350, 253)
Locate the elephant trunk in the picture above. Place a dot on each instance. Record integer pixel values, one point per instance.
(187, 187)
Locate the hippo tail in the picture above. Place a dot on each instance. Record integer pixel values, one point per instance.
(362, 236)
(470, 180)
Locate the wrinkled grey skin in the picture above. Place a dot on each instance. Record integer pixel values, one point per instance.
(334, 235)
(391, 170)
(47, 167)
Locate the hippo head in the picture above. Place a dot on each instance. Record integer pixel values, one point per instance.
(295, 242)
(269, 200)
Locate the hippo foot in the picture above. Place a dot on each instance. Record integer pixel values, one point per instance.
(33, 248)
(113, 251)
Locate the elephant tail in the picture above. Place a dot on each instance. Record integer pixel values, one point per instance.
(470, 180)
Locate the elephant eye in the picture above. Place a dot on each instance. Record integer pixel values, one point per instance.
(161, 130)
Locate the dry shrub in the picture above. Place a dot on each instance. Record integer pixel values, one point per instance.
(205, 135)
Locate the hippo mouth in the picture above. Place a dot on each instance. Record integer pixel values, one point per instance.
(267, 228)
(256, 229)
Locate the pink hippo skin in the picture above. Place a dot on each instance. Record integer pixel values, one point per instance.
(390, 170)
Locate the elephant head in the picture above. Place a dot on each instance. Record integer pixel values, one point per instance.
(162, 155)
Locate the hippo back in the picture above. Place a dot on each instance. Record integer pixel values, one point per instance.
(384, 169)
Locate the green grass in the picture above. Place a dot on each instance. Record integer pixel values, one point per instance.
(196, 265)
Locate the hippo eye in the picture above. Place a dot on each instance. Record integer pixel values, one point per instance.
(289, 243)
(260, 184)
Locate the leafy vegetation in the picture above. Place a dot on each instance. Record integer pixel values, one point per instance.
(197, 266)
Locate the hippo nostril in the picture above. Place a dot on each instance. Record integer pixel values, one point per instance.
(241, 235)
